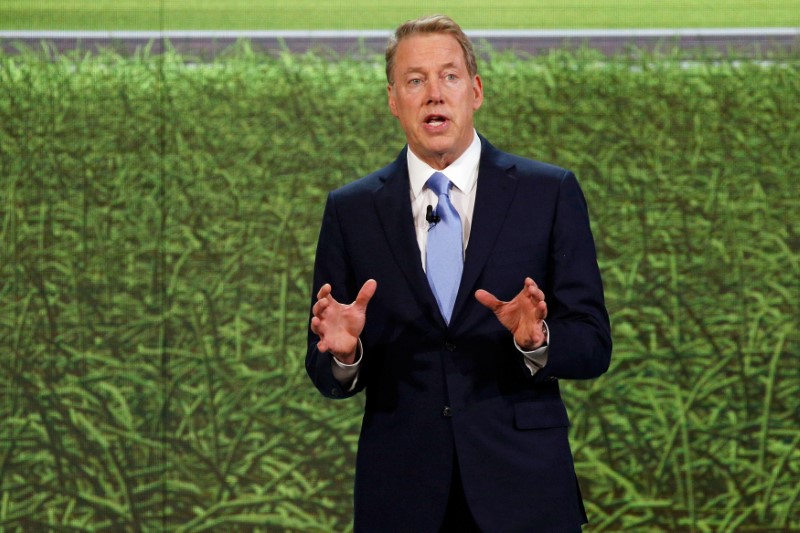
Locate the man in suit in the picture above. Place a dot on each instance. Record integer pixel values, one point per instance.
(464, 428)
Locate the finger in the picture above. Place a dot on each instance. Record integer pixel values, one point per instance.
(319, 307)
(487, 299)
(541, 309)
(366, 293)
(315, 325)
(536, 294)
(533, 290)
(324, 291)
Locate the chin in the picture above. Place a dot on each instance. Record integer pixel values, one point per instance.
(440, 148)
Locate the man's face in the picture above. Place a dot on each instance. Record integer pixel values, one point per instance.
(434, 97)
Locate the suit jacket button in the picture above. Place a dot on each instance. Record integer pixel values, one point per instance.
(450, 347)
(335, 393)
(447, 412)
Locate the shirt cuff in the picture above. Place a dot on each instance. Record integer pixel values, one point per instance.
(536, 359)
(347, 375)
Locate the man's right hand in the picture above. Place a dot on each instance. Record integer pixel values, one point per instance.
(339, 325)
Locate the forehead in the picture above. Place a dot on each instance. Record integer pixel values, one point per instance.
(428, 51)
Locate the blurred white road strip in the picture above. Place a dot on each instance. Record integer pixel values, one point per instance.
(360, 34)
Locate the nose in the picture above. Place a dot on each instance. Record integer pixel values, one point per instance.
(434, 89)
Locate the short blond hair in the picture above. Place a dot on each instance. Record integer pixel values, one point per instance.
(430, 24)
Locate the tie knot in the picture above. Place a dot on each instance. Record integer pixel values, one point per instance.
(439, 184)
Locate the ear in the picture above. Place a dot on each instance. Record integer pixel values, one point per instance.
(477, 88)
(392, 99)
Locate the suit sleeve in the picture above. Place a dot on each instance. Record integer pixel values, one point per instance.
(332, 266)
(580, 332)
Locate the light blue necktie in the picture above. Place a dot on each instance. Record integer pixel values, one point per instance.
(444, 257)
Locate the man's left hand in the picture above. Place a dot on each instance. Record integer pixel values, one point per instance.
(523, 316)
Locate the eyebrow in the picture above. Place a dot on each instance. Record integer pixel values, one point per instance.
(421, 69)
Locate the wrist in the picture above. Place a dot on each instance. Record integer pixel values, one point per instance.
(348, 359)
(534, 344)
(351, 358)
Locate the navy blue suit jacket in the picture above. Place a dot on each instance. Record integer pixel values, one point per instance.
(433, 390)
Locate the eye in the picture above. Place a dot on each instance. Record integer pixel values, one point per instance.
(415, 82)
(450, 77)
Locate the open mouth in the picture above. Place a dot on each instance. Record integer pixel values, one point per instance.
(435, 120)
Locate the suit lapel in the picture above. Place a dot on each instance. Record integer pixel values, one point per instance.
(496, 190)
(393, 205)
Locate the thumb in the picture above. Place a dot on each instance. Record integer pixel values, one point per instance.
(487, 299)
(366, 293)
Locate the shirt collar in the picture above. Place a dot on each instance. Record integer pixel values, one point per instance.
(463, 172)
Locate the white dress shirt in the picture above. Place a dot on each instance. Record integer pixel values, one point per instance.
(463, 173)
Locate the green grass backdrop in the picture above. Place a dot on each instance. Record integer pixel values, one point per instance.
(368, 14)
(157, 229)
(158, 218)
